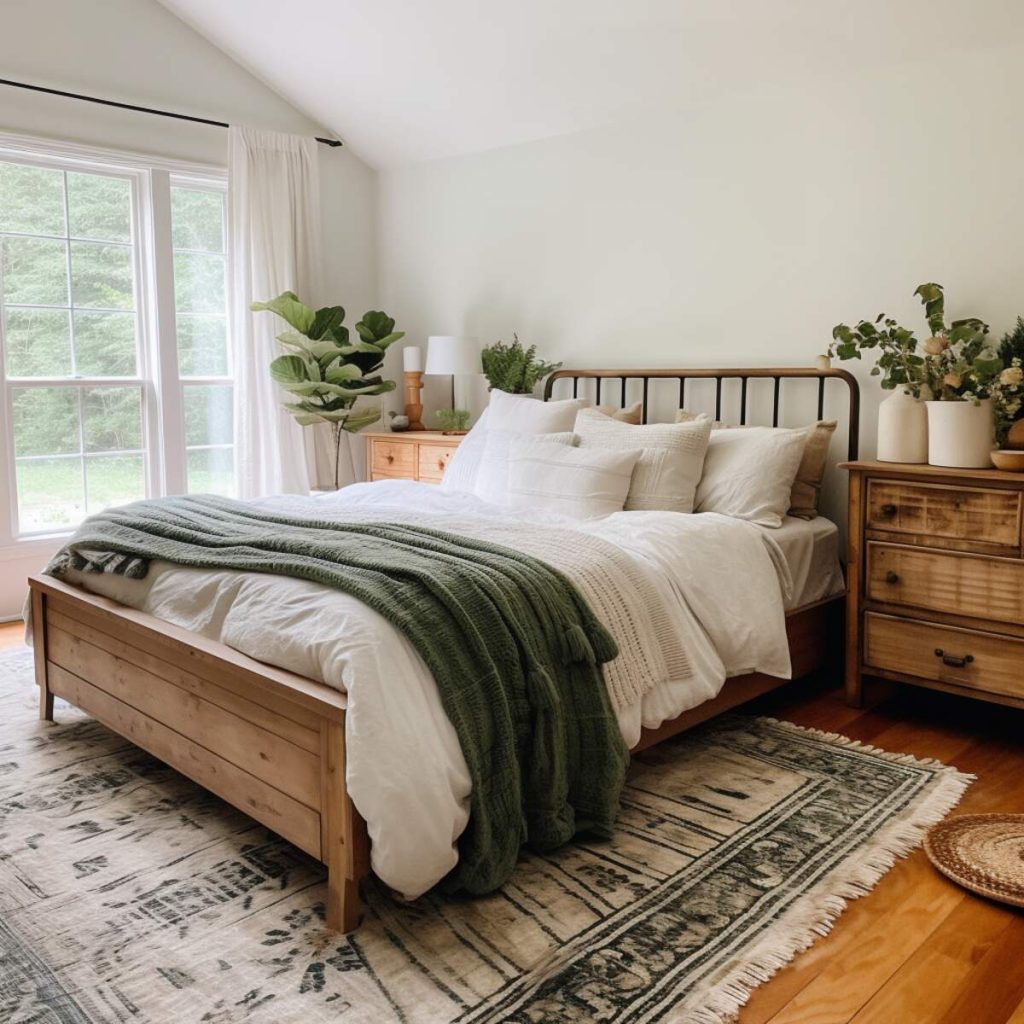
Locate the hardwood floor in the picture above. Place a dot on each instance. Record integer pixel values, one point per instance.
(917, 950)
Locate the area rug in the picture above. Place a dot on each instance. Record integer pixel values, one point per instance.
(127, 893)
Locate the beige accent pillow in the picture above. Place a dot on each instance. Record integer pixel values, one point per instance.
(806, 492)
(630, 414)
(671, 457)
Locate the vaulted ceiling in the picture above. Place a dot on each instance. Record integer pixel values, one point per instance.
(410, 80)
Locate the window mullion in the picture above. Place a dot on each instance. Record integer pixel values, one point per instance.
(165, 349)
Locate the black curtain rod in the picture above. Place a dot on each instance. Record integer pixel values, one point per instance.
(132, 106)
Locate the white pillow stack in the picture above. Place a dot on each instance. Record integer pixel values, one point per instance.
(510, 414)
(583, 483)
(671, 458)
(749, 473)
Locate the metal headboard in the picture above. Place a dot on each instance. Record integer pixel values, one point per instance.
(743, 374)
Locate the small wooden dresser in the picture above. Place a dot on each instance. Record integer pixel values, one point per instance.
(936, 580)
(411, 455)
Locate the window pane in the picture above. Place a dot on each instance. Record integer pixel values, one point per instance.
(202, 346)
(31, 200)
(113, 480)
(208, 414)
(99, 207)
(101, 275)
(35, 271)
(38, 343)
(211, 471)
(198, 283)
(45, 421)
(49, 494)
(112, 419)
(105, 344)
(197, 219)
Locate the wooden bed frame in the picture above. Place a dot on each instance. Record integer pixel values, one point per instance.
(272, 743)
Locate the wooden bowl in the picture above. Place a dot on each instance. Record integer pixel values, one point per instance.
(1011, 461)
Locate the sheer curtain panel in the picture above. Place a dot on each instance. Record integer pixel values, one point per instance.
(273, 239)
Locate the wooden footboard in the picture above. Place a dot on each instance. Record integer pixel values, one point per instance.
(269, 742)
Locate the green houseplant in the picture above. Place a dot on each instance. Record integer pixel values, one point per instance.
(325, 371)
(514, 369)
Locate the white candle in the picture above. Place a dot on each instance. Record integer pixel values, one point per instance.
(412, 359)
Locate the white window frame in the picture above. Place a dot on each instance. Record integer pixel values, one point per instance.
(163, 412)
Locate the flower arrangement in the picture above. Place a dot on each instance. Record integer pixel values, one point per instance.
(957, 363)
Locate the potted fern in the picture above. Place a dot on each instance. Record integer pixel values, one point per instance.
(514, 369)
(324, 370)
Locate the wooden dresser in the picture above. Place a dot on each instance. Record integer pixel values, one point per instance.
(936, 580)
(413, 455)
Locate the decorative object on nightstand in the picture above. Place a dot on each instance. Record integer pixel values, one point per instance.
(957, 379)
(412, 367)
(514, 369)
(450, 356)
(412, 455)
(935, 580)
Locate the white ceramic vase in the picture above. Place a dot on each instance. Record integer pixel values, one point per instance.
(902, 428)
(960, 434)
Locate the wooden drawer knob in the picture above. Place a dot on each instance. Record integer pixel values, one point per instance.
(389, 458)
(891, 577)
(952, 660)
(888, 509)
(440, 463)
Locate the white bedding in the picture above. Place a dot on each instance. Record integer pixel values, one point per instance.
(727, 583)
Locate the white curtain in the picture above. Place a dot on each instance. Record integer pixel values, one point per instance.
(274, 246)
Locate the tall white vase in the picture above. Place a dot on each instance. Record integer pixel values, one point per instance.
(902, 428)
(960, 434)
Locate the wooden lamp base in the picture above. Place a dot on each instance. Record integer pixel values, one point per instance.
(413, 399)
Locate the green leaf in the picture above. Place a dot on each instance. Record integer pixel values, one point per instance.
(289, 370)
(289, 308)
(326, 320)
(343, 373)
(375, 325)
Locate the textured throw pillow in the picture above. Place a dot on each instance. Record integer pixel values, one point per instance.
(803, 500)
(671, 457)
(580, 482)
(492, 477)
(521, 414)
(749, 473)
(630, 414)
(464, 465)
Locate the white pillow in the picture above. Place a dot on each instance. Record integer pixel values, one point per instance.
(579, 482)
(492, 477)
(521, 414)
(749, 473)
(670, 463)
(464, 465)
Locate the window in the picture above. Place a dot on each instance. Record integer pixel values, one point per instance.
(114, 356)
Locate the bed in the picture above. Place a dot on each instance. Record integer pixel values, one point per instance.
(295, 749)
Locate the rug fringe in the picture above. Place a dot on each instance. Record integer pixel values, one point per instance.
(798, 929)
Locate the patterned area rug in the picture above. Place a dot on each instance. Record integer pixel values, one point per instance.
(129, 894)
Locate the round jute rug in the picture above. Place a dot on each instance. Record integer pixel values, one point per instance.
(983, 853)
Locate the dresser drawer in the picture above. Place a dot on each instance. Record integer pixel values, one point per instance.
(433, 461)
(945, 654)
(392, 458)
(973, 585)
(934, 511)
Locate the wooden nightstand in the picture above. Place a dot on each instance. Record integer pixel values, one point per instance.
(936, 580)
(413, 455)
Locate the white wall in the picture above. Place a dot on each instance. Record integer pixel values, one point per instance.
(135, 51)
(736, 234)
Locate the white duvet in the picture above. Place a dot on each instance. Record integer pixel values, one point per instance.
(724, 580)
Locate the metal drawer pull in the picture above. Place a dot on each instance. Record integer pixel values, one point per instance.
(891, 577)
(951, 660)
(888, 510)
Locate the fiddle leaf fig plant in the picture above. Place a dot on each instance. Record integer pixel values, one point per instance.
(325, 371)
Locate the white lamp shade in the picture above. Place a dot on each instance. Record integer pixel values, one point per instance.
(452, 356)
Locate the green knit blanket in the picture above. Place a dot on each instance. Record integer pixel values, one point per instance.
(514, 648)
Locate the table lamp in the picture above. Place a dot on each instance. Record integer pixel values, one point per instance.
(452, 356)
